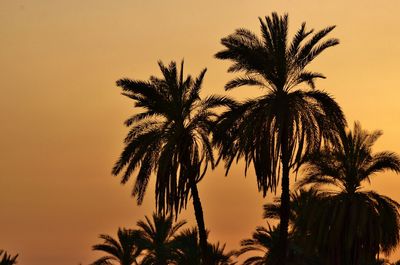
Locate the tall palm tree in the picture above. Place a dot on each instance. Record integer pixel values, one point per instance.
(274, 131)
(170, 137)
(7, 259)
(156, 238)
(124, 250)
(355, 224)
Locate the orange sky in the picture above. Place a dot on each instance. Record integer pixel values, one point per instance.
(61, 114)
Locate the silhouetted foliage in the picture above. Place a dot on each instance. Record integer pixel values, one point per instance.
(7, 259)
(352, 225)
(266, 242)
(305, 205)
(188, 250)
(275, 130)
(156, 238)
(284, 129)
(171, 138)
(123, 251)
(381, 262)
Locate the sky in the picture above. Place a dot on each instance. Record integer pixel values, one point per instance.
(62, 115)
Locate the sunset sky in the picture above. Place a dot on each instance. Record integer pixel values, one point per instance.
(61, 114)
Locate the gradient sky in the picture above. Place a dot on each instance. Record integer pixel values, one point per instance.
(61, 114)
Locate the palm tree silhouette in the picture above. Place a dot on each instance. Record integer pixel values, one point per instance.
(6, 258)
(304, 206)
(156, 238)
(263, 239)
(353, 225)
(124, 250)
(187, 248)
(171, 138)
(266, 242)
(274, 131)
(186, 245)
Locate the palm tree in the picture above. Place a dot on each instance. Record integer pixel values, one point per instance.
(187, 250)
(6, 258)
(274, 131)
(266, 242)
(124, 250)
(263, 239)
(305, 206)
(170, 137)
(156, 238)
(354, 224)
(186, 247)
(219, 256)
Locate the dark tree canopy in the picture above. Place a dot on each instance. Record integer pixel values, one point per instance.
(352, 224)
(170, 137)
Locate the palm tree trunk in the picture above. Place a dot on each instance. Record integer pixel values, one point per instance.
(285, 195)
(198, 211)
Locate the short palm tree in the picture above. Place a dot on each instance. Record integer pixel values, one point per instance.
(187, 250)
(266, 242)
(262, 241)
(170, 137)
(7, 259)
(354, 224)
(305, 206)
(156, 238)
(275, 130)
(123, 251)
(219, 256)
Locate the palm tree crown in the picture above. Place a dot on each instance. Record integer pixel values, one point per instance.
(124, 250)
(357, 224)
(275, 130)
(156, 238)
(187, 250)
(255, 127)
(350, 162)
(170, 136)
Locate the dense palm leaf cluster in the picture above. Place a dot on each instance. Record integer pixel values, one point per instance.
(124, 250)
(158, 242)
(256, 126)
(169, 137)
(265, 249)
(356, 222)
(188, 251)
